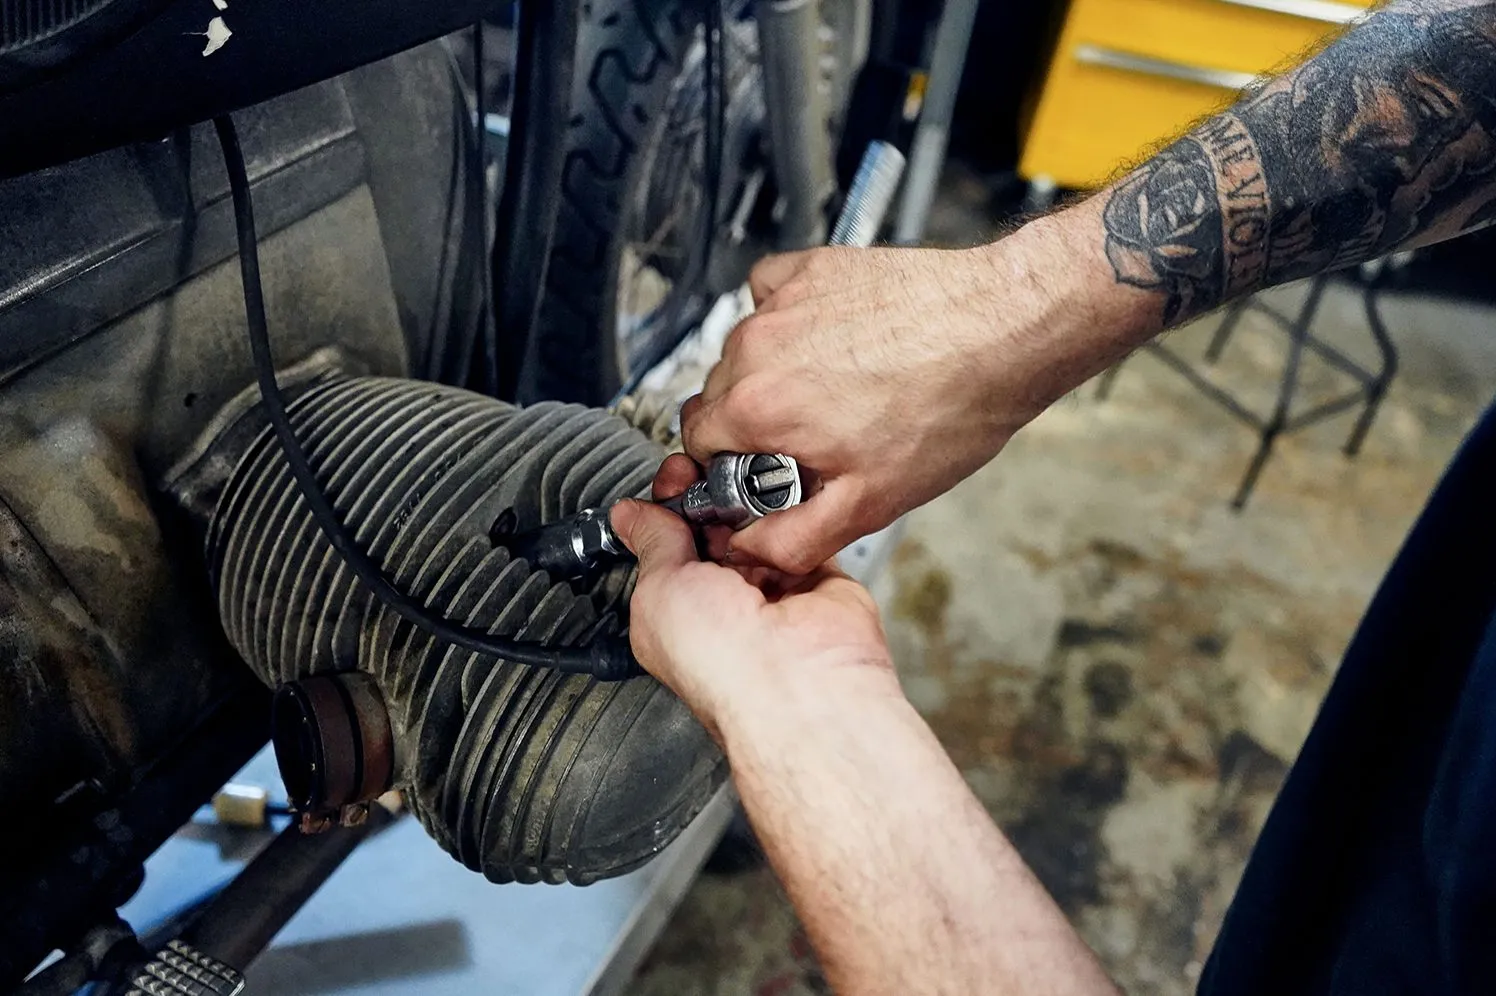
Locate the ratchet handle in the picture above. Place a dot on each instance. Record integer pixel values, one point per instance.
(739, 489)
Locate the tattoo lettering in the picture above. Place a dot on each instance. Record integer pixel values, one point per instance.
(1242, 198)
(1386, 137)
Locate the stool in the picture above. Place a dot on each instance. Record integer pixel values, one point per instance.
(1371, 387)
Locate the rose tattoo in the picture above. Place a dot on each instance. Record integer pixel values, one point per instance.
(1163, 228)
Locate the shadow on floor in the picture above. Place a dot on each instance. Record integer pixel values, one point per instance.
(335, 964)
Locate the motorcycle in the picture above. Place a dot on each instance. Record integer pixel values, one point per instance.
(297, 321)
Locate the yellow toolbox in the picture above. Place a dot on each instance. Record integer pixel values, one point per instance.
(1128, 75)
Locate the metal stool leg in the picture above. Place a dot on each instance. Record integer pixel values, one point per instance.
(1226, 328)
(1377, 389)
(1275, 425)
(1254, 469)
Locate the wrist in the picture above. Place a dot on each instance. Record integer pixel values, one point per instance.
(1064, 317)
(802, 694)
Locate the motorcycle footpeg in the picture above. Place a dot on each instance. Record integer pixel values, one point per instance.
(179, 969)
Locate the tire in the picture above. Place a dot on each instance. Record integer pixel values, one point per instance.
(635, 60)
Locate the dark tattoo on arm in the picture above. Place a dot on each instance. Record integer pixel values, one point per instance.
(1385, 139)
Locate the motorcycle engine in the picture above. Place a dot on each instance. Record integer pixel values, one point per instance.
(159, 574)
(521, 773)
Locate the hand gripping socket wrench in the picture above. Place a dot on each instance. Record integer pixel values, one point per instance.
(737, 490)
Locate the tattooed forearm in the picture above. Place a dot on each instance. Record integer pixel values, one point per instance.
(1385, 139)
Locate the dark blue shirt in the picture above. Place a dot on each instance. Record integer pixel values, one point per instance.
(1376, 871)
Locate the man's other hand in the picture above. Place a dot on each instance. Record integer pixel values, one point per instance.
(721, 637)
(875, 368)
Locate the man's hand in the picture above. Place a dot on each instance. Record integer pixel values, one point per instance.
(901, 878)
(717, 636)
(859, 364)
(894, 373)
(891, 373)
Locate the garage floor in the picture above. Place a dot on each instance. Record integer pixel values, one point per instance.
(1122, 667)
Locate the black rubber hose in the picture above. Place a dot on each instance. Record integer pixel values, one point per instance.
(608, 658)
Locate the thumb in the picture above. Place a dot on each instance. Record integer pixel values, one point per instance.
(660, 540)
(771, 273)
(801, 539)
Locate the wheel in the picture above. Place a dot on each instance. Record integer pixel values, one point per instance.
(625, 269)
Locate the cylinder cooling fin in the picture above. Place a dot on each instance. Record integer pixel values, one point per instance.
(37, 36)
(522, 774)
(31, 22)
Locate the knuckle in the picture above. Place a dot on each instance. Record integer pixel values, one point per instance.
(690, 442)
(732, 356)
(691, 431)
(712, 435)
(827, 259)
(794, 291)
(796, 558)
(761, 269)
(690, 414)
(644, 554)
(749, 334)
(718, 379)
(751, 327)
(753, 395)
(800, 561)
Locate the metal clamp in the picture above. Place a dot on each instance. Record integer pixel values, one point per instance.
(1225, 79)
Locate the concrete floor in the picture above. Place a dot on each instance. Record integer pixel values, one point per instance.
(1121, 666)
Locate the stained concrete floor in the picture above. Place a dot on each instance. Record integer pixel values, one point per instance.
(1121, 666)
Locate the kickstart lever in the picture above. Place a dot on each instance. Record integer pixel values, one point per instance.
(738, 490)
